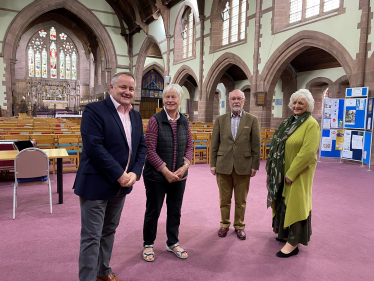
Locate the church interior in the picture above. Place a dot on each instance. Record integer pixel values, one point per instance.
(56, 57)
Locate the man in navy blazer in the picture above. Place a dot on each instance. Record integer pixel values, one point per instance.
(112, 160)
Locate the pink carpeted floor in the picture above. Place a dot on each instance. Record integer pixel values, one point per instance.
(38, 245)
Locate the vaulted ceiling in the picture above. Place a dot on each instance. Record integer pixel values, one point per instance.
(139, 13)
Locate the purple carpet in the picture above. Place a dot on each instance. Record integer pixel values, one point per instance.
(38, 245)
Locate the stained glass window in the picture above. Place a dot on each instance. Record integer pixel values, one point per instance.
(38, 70)
(74, 66)
(68, 67)
(62, 65)
(53, 60)
(52, 35)
(61, 61)
(44, 63)
(152, 85)
(234, 16)
(31, 62)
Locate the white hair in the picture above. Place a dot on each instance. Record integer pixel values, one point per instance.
(303, 93)
(173, 87)
(237, 91)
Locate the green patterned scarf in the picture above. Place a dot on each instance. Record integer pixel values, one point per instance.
(275, 161)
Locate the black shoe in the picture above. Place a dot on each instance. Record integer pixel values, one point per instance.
(281, 240)
(280, 254)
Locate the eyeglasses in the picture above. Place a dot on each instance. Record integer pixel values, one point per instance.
(238, 99)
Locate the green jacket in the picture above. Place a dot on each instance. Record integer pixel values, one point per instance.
(243, 153)
(300, 165)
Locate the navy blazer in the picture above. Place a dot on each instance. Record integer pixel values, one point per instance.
(105, 151)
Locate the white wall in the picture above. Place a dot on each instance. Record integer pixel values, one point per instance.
(332, 73)
(278, 94)
(222, 89)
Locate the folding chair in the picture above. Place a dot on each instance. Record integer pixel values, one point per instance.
(31, 167)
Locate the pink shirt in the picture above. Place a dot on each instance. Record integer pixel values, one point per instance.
(124, 115)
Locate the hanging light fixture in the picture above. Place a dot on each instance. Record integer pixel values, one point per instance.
(184, 34)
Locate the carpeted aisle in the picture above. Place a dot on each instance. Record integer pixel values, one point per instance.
(38, 245)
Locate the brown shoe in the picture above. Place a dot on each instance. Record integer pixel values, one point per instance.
(222, 232)
(240, 233)
(109, 277)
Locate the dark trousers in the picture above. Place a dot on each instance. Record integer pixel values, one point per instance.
(155, 192)
(99, 219)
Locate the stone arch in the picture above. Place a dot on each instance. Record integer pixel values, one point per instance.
(317, 92)
(319, 80)
(213, 77)
(156, 66)
(182, 74)
(340, 85)
(295, 45)
(178, 40)
(247, 94)
(36, 9)
(142, 56)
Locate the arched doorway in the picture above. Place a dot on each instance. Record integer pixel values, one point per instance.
(43, 10)
(233, 73)
(186, 77)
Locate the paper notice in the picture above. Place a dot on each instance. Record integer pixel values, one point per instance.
(347, 154)
(350, 102)
(334, 123)
(333, 134)
(326, 144)
(368, 127)
(326, 123)
(357, 142)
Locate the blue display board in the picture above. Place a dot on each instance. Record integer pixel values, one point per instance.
(355, 113)
(334, 153)
(331, 123)
(369, 114)
(357, 92)
(367, 147)
(356, 153)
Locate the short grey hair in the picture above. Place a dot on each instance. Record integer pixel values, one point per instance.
(173, 87)
(303, 93)
(115, 77)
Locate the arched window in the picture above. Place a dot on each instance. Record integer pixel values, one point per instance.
(233, 16)
(152, 85)
(301, 10)
(62, 59)
(188, 33)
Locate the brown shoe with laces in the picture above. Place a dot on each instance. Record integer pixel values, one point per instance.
(109, 277)
(222, 232)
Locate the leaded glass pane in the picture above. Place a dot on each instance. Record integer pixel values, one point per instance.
(53, 60)
(312, 8)
(295, 10)
(38, 71)
(44, 63)
(31, 62)
(52, 34)
(62, 65)
(331, 5)
(68, 67)
(74, 66)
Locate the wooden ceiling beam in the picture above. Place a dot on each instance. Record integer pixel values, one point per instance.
(138, 19)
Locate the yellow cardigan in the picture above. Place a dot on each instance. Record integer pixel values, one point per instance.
(300, 165)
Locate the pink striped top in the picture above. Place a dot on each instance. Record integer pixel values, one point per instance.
(151, 137)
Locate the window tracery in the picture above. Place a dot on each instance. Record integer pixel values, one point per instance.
(62, 59)
(233, 16)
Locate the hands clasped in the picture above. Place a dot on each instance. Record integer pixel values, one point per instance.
(174, 176)
(127, 179)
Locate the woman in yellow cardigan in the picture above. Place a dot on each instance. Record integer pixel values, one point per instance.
(290, 170)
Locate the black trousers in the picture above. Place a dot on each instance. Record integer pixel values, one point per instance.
(155, 192)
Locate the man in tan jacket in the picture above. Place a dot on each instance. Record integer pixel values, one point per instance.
(235, 157)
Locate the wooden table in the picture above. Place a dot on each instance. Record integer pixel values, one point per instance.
(56, 153)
